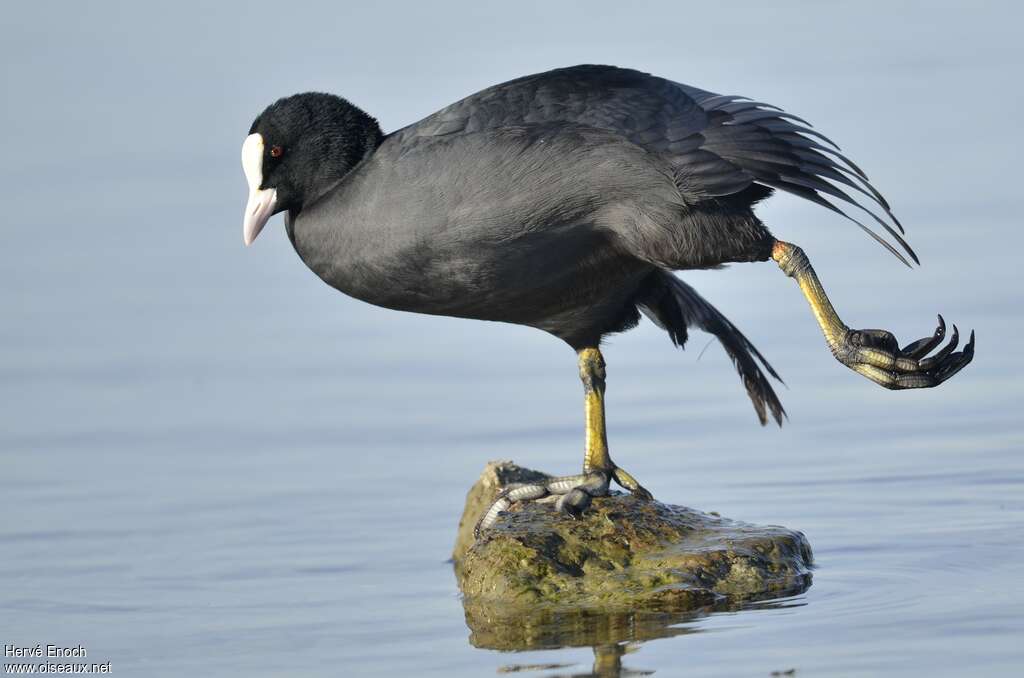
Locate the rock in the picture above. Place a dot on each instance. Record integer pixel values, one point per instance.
(624, 553)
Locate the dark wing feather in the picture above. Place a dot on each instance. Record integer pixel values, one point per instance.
(760, 141)
(675, 306)
(718, 144)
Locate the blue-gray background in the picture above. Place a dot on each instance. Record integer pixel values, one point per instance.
(213, 464)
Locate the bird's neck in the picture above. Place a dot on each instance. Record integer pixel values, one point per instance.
(336, 231)
(344, 153)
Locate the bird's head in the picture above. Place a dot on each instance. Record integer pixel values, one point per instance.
(298, 148)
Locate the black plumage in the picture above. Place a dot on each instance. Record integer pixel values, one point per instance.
(560, 200)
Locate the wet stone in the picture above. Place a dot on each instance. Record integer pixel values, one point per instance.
(624, 553)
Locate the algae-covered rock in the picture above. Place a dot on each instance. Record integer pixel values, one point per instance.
(624, 553)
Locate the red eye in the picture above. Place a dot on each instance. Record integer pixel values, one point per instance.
(276, 151)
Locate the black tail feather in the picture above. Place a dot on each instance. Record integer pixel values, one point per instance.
(675, 306)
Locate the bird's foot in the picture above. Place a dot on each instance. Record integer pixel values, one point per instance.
(628, 482)
(572, 494)
(877, 355)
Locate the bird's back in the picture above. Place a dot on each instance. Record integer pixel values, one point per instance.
(719, 147)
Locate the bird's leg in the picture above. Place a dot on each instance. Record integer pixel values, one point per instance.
(573, 494)
(596, 458)
(875, 353)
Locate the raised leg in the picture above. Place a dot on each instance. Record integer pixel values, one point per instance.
(875, 353)
(573, 494)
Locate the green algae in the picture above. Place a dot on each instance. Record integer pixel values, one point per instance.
(623, 554)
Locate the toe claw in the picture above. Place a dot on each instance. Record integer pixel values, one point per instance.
(921, 347)
(933, 361)
(642, 493)
(630, 483)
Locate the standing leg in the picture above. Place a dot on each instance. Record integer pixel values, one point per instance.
(596, 458)
(575, 493)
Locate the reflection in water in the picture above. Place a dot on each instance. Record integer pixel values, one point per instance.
(611, 633)
(607, 664)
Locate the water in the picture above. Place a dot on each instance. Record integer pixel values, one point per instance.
(213, 464)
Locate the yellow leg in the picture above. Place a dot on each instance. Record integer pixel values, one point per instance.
(794, 263)
(596, 458)
(874, 353)
(576, 492)
(592, 374)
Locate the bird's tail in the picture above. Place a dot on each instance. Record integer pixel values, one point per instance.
(675, 307)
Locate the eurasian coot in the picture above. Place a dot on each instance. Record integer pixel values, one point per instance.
(563, 201)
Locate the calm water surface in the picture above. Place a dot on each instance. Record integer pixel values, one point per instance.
(212, 464)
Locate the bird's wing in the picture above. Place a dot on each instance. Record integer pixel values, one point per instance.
(718, 145)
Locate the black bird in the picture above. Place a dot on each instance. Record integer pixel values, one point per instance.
(563, 201)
